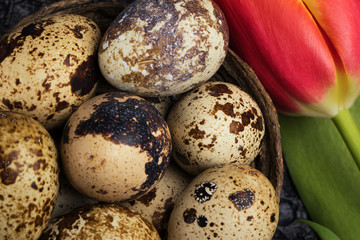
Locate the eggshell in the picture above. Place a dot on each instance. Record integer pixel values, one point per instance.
(115, 147)
(213, 124)
(100, 221)
(162, 48)
(69, 198)
(49, 67)
(29, 177)
(156, 205)
(227, 202)
(162, 104)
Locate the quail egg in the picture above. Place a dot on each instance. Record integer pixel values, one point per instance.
(49, 67)
(226, 202)
(213, 124)
(115, 147)
(163, 48)
(29, 177)
(100, 221)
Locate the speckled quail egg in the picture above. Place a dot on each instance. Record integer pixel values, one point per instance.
(156, 205)
(100, 221)
(162, 48)
(213, 124)
(49, 67)
(226, 202)
(115, 147)
(29, 176)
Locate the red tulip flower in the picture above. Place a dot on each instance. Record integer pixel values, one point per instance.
(305, 52)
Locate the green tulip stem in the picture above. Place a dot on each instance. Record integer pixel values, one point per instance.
(349, 132)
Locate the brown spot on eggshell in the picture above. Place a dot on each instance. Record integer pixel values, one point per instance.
(61, 106)
(77, 30)
(34, 30)
(218, 90)
(8, 176)
(7, 103)
(236, 127)
(196, 133)
(226, 108)
(189, 215)
(85, 77)
(202, 221)
(242, 199)
(272, 217)
(258, 124)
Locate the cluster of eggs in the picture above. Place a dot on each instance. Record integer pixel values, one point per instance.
(139, 162)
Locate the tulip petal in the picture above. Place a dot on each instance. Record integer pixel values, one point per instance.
(340, 21)
(281, 41)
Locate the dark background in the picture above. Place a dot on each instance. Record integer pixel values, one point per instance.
(291, 207)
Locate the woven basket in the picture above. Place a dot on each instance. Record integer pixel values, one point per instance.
(234, 70)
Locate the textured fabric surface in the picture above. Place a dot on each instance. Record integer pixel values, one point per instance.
(291, 207)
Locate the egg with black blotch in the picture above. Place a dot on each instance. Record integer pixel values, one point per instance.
(228, 201)
(48, 67)
(213, 124)
(29, 176)
(115, 147)
(100, 221)
(163, 48)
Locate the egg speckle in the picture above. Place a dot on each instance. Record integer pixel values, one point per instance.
(162, 48)
(49, 67)
(226, 202)
(115, 147)
(213, 124)
(100, 221)
(29, 177)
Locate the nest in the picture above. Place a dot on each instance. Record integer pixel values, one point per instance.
(234, 70)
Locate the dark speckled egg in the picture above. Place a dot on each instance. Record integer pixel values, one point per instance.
(29, 177)
(226, 202)
(162, 48)
(100, 221)
(49, 67)
(115, 147)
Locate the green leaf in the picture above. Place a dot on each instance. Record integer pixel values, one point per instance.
(323, 171)
(323, 232)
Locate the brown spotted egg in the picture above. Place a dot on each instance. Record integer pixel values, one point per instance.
(49, 67)
(213, 124)
(162, 48)
(115, 147)
(29, 177)
(100, 221)
(156, 205)
(227, 202)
